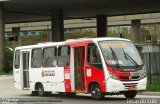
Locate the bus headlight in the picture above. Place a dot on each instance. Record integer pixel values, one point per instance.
(113, 76)
(143, 73)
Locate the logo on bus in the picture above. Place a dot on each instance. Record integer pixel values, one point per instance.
(48, 73)
(42, 73)
(89, 74)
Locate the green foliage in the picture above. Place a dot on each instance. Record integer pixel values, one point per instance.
(8, 60)
(77, 33)
(154, 38)
(8, 43)
(154, 85)
(125, 34)
(34, 39)
(4, 73)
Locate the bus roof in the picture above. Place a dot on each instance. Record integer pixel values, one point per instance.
(71, 42)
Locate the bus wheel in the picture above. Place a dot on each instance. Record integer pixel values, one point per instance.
(96, 92)
(41, 90)
(130, 94)
(71, 94)
(34, 93)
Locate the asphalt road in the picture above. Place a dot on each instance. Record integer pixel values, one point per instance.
(9, 94)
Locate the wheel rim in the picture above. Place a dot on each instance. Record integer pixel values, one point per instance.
(40, 90)
(96, 91)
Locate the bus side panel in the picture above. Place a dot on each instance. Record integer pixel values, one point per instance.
(17, 75)
(52, 78)
(67, 79)
(71, 68)
(93, 74)
(32, 86)
(57, 81)
(17, 79)
(35, 75)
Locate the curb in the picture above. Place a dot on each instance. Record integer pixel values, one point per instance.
(149, 93)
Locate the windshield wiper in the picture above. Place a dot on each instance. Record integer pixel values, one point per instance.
(130, 58)
(115, 57)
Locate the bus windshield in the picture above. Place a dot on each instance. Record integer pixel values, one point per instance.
(120, 53)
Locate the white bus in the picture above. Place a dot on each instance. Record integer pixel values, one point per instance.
(100, 66)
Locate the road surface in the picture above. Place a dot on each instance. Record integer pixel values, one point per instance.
(9, 94)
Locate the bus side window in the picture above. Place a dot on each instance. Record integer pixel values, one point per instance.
(36, 58)
(93, 56)
(17, 59)
(49, 57)
(63, 56)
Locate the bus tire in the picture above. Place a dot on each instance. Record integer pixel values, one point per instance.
(40, 90)
(130, 94)
(34, 93)
(96, 92)
(70, 94)
(48, 93)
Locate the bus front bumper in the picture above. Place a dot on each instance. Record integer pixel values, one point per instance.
(113, 85)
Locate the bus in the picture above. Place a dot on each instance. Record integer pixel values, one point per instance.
(96, 66)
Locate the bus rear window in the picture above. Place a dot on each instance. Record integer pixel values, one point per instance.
(17, 59)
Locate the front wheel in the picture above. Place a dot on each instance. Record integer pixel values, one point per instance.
(96, 92)
(70, 94)
(130, 94)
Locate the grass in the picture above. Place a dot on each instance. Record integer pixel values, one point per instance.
(154, 86)
(4, 73)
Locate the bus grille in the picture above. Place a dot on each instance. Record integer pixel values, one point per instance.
(133, 77)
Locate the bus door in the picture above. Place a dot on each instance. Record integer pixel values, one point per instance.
(25, 63)
(79, 58)
(17, 70)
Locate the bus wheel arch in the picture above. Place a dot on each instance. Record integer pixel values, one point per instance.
(90, 85)
(40, 89)
(36, 85)
(95, 89)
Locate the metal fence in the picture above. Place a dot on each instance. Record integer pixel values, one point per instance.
(151, 58)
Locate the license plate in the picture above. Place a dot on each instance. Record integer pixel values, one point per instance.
(132, 88)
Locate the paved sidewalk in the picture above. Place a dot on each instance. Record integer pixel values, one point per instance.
(149, 93)
(2, 77)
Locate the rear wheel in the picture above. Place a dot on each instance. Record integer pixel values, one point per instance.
(130, 94)
(96, 92)
(40, 89)
(34, 93)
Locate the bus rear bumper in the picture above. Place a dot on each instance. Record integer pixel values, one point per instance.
(113, 85)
